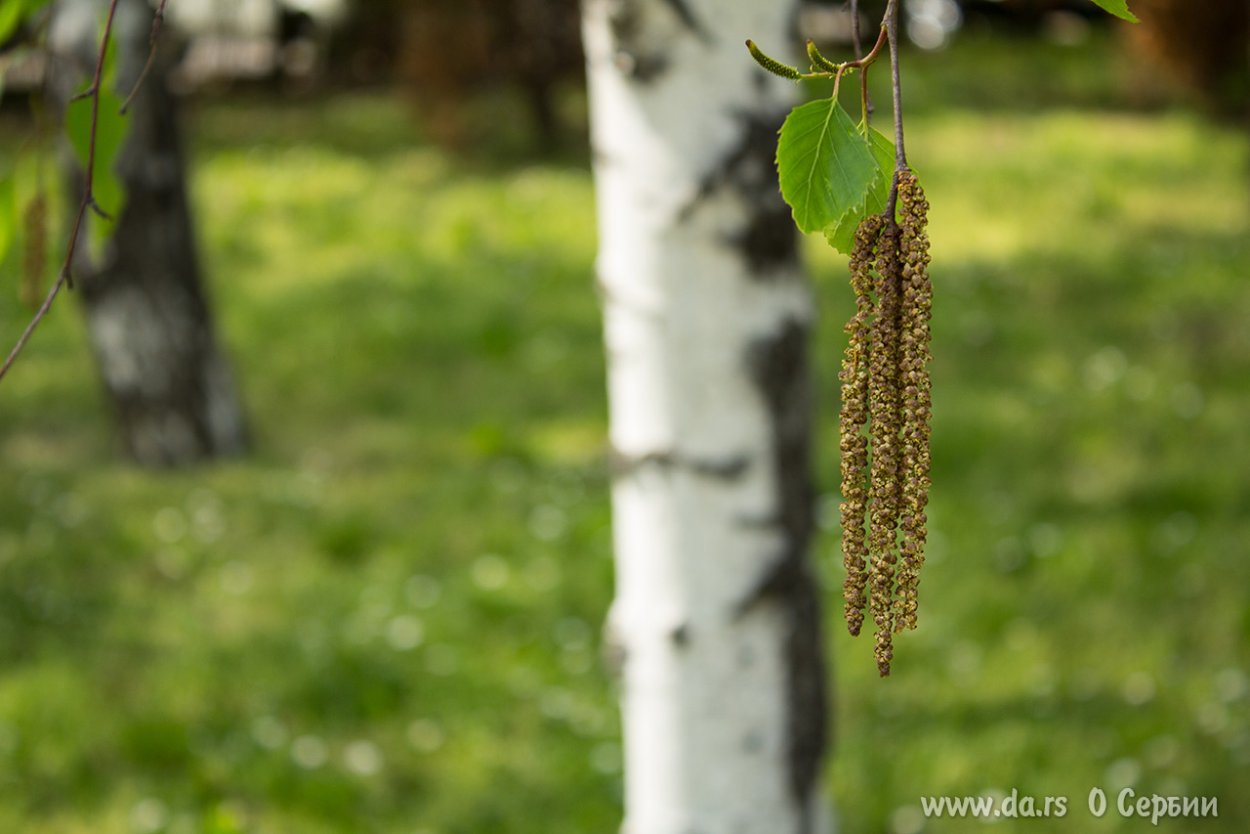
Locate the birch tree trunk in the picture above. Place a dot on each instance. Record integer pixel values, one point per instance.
(148, 320)
(707, 313)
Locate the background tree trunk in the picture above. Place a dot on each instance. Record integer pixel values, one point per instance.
(147, 316)
(706, 310)
(1205, 46)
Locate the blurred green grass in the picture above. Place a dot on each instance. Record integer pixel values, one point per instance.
(386, 620)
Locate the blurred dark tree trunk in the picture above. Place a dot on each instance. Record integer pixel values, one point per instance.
(1205, 45)
(547, 48)
(445, 50)
(148, 319)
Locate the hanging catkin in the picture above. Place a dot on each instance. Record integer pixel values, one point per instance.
(916, 309)
(885, 415)
(884, 425)
(852, 440)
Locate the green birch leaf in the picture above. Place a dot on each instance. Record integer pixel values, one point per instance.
(8, 214)
(824, 164)
(841, 233)
(110, 133)
(107, 188)
(1119, 8)
(12, 12)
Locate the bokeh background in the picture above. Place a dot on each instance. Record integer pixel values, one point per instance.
(386, 618)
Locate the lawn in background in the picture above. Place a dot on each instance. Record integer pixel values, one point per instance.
(387, 618)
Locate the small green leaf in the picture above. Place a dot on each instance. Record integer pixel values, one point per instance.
(1119, 8)
(841, 233)
(110, 134)
(824, 164)
(107, 187)
(12, 12)
(8, 215)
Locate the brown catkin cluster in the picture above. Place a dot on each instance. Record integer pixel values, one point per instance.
(885, 420)
(854, 417)
(917, 402)
(885, 414)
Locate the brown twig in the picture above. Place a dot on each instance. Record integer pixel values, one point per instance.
(890, 25)
(858, 64)
(65, 279)
(858, 46)
(868, 59)
(158, 20)
(891, 22)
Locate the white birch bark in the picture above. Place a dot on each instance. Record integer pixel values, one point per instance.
(706, 318)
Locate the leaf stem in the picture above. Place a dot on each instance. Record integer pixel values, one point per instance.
(871, 57)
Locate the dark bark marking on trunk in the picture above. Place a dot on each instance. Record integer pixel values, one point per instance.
(794, 27)
(645, 69)
(631, 54)
(688, 18)
(778, 365)
(725, 469)
(613, 654)
(642, 52)
(767, 240)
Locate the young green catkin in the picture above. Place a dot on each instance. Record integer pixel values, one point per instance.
(853, 443)
(917, 303)
(885, 414)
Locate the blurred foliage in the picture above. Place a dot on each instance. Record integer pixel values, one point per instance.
(387, 620)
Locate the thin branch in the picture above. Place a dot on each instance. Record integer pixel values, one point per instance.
(34, 322)
(857, 44)
(890, 24)
(158, 20)
(867, 60)
(65, 279)
(849, 66)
